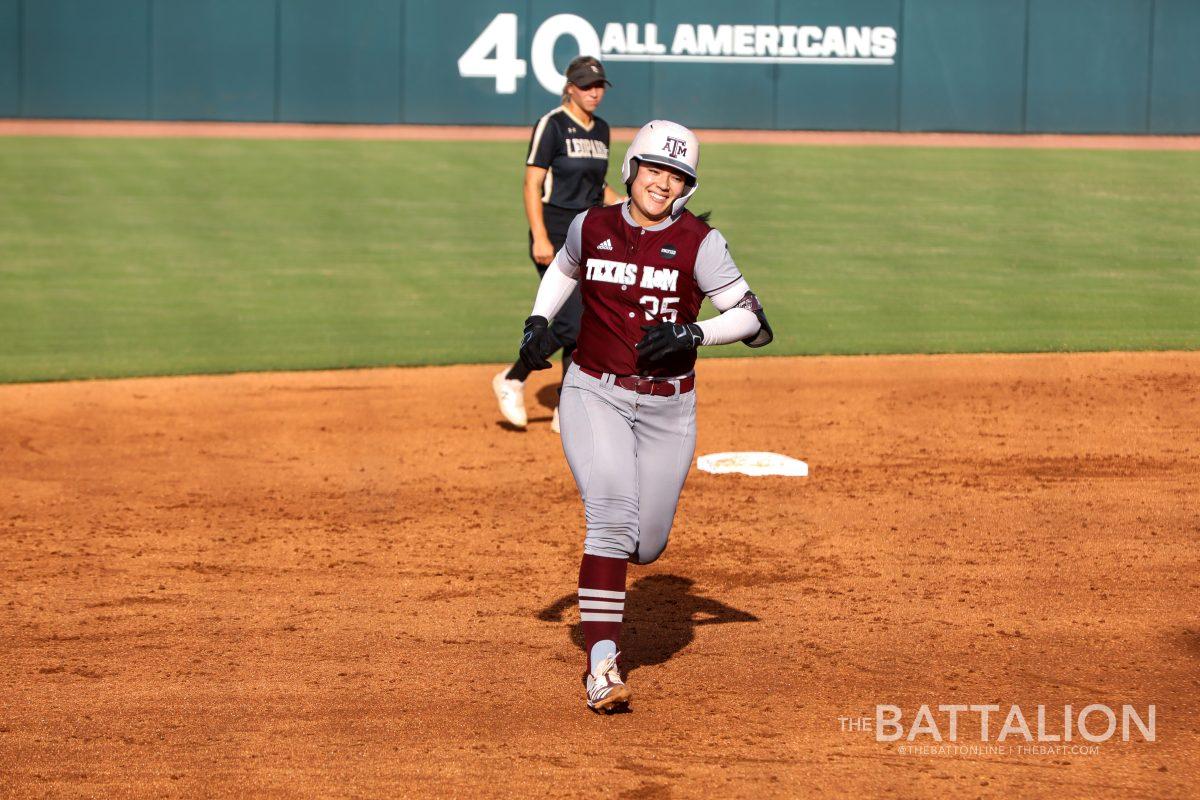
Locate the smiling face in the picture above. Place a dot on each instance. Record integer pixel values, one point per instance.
(653, 190)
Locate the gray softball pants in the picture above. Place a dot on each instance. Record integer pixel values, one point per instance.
(630, 454)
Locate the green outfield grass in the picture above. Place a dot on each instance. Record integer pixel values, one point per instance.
(134, 257)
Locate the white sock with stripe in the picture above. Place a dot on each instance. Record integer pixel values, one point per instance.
(601, 606)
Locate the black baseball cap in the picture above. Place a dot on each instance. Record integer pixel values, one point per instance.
(586, 71)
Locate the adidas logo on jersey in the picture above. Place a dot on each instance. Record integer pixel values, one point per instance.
(605, 245)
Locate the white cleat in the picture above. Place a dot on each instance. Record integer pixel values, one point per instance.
(605, 689)
(554, 422)
(510, 394)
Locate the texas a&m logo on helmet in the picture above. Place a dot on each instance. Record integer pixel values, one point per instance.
(675, 148)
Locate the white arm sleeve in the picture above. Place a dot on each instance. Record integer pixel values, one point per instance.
(553, 291)
(731, 326)
(561, 276)
(734, 324)
(728, 297)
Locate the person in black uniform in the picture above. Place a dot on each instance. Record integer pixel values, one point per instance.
(564, 174)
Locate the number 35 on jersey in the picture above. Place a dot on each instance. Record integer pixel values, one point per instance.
(619, 272)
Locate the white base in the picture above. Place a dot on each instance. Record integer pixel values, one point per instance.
(752, 463)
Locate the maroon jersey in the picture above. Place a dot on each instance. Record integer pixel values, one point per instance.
(631, 276)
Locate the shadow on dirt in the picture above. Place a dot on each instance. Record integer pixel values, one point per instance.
(548, 395)
(1191, 642)
(505, 425)
(661, 615)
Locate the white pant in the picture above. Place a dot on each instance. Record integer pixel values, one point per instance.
(630, 454)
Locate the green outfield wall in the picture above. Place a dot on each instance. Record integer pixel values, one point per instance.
(1089, 66)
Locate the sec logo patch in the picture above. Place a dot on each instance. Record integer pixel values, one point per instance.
(668, 251)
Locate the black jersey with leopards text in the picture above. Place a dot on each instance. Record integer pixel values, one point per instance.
(575, 157)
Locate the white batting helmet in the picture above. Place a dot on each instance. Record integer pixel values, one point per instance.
(668, 143)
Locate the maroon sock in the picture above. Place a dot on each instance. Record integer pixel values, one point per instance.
(601, 605)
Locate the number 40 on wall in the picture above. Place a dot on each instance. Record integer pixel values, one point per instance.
(500, 36)
(493, 54)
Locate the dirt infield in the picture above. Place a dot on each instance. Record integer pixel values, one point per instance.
(283, 130)
(352, 584)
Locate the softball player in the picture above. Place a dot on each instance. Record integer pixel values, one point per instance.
(564, 174)
(628, 402)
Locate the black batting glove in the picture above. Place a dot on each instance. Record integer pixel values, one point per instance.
(534, 343)
(668, 338)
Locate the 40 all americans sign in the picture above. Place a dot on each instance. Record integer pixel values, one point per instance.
(494, 54)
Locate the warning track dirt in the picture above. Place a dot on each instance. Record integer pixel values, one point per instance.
(340, 583)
